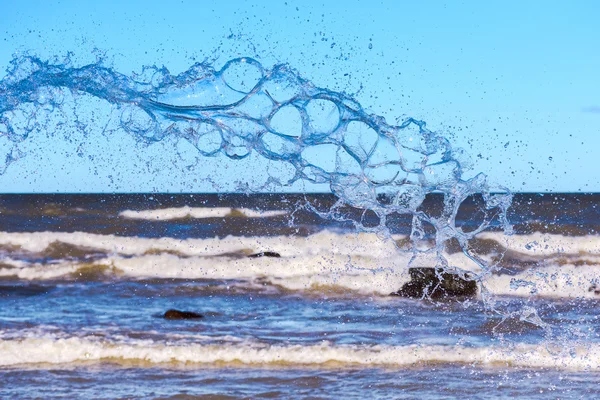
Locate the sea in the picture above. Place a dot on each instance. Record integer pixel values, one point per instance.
(292, 304)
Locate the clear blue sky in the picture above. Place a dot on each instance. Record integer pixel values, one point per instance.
(515, 83)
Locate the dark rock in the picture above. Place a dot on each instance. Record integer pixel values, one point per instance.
(510, 326)
(434, 283)
(176, 314)
(265, 254)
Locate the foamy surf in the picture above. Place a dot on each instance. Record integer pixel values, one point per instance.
(324, 242)
(546, 244)
(167, 214)
(48, 350)
(298, 273)
(320, 273)
(323, 262)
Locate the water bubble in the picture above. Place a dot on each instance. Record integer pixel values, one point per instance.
(320, 156)
(323, 115)
(206, 138)
(242, 74)
(287, 121)
(280, 145)
(237, 148)
(360, 139)
(137, 120)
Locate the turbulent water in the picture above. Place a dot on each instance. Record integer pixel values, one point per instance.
(294, 289)
(85, 280)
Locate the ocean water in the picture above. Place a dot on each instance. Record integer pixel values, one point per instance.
(296, 291)
(85, 281)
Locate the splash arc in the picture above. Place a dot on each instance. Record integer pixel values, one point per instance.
(244, 108)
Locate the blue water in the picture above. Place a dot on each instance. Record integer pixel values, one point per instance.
(83, 293)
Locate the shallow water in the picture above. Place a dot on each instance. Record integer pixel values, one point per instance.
(431, 382)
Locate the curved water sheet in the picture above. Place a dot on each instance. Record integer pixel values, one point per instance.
(384, 171)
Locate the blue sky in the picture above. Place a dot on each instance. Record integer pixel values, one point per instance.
(515, 84)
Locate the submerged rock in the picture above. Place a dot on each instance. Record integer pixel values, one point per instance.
(434, 283)
(176, 314)
(512, 325)
(265, 254)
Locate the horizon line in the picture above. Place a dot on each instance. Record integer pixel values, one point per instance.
(242, 193)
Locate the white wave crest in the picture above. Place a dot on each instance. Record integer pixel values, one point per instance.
(545, 244)
(148, 352)
(324, 242)
(362, 263)
(295, 273)
(564, 281)
(166, 214)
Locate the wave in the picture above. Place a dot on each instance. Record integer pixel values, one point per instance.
(319, 273)
(546, 244)
(48, 350)
(316, 274)
(552, 281)
(174, 213)
(324, 262)
(523, 249)
(324, 242)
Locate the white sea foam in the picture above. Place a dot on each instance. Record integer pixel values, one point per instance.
(358, 274)
(148, 352)
(294, 273)
(362, 263)
(165, 214)
(359, 262)
(559, 281)
(545, 244)
(324, 242)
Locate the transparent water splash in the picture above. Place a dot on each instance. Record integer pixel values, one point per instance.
(325, 136)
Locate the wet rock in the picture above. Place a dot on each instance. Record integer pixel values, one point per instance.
(176, 314)
(265, 254)
(509, 326)
(436, 284)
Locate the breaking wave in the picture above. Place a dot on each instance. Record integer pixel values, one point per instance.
(166, 214)
(48, 350)
(360, 263)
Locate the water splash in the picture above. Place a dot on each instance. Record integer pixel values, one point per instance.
(325, 136)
